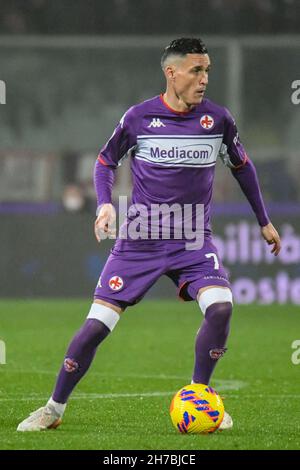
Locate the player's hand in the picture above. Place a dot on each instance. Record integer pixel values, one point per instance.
(272, 237)
(105, 223)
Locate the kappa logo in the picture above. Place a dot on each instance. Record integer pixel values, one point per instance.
(207, 121)
(156, 122)
(116, 283)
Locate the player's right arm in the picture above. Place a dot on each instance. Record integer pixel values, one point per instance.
(122, 140)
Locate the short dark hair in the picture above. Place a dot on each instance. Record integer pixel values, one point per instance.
(183, 46)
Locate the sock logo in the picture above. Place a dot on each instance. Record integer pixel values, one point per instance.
(216, 353)
(70, 365)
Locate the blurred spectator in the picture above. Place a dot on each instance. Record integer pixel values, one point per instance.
(76, 196)
(74, 199)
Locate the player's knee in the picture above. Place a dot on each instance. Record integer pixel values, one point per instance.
(218, 297)
(219, 314)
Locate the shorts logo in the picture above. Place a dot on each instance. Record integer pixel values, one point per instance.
(207, 122)
(99, 282)
(217, 353)
(70, 365)
(116, 283)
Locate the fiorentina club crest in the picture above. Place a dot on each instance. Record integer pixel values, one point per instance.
(116, 283)
(207, 121)
(217, 353)
(70, 365)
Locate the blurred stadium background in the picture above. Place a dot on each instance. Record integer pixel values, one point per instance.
(71, 69)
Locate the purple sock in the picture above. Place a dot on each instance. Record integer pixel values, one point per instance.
(79, 357)
(211, 340)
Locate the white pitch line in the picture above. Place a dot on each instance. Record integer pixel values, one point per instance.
(97, 396)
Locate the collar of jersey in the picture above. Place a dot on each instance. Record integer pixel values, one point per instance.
(161, 96)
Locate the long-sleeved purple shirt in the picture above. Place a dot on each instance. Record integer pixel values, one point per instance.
(173, 156)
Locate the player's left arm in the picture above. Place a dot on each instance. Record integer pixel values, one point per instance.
(234, 156)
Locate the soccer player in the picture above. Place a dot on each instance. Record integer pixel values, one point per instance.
(173, 140)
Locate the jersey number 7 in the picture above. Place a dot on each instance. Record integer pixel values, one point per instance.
(216, 261)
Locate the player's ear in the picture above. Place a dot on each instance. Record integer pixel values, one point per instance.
(169, 72)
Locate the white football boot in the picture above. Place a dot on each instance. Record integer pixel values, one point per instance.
(227, 422)
(41, 419)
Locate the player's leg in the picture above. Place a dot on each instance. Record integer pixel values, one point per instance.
(216, 305)
(101, 320)
(201, 276)
(127, 275)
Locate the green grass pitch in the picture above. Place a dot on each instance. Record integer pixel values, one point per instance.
(123, 402)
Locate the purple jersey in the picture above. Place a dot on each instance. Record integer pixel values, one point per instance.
(173, 154)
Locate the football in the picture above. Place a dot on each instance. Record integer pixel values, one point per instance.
(197, 409)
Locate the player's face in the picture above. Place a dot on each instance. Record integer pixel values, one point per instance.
(190, 78)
